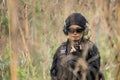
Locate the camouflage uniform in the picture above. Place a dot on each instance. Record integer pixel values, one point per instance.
(71, 66)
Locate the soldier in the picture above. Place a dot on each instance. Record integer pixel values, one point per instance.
(78, 58)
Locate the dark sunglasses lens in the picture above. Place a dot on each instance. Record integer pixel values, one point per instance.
(78, 30)
(71, 30)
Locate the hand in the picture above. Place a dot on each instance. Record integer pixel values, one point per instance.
(76, 48)
(72, 50)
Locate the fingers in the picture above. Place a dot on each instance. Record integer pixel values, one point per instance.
(73, 49)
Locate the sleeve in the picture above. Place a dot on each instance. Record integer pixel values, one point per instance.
(54, 67)
(93, 62)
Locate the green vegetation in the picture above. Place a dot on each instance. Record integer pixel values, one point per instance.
(45, 20)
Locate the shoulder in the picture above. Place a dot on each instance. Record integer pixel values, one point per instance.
(93, 49)
(63, 45)
(91, 45)
(61, 48)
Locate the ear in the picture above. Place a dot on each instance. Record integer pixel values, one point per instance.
(86, 33)
(65, 30)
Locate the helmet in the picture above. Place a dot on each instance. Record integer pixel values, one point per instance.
(74, 19)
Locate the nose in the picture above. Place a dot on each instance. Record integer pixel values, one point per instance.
(75, 32)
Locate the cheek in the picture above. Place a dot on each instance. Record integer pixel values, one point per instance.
(70, 36)
(80, 35)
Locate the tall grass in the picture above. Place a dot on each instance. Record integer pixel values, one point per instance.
(40, 24)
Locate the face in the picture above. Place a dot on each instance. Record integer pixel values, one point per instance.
(75, 33)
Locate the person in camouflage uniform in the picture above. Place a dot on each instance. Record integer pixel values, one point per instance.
(78, 58)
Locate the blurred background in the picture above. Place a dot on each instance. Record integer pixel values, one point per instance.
(31, 31)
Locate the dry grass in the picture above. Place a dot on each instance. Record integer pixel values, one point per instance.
(44, 34)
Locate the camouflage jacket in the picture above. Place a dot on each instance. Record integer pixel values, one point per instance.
(84, 64)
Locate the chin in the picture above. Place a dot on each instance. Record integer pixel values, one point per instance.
(76, 39)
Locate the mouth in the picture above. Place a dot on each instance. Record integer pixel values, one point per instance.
(75, 37)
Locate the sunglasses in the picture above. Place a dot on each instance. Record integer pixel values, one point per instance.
(77, 30)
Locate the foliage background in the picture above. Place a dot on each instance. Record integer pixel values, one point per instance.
(31, 31)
